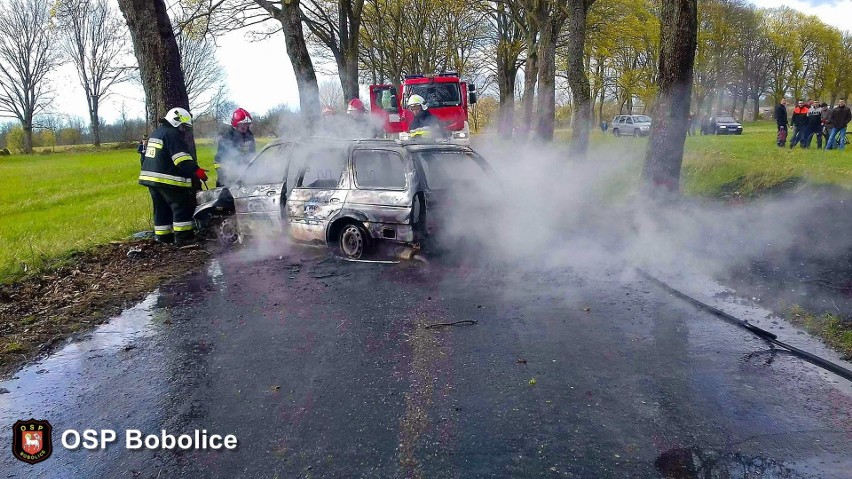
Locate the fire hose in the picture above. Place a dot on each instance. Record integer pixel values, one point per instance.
(767, 336)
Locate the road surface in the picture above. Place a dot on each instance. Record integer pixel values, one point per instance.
(326, 368)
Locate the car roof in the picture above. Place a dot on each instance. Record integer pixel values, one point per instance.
(413, 145)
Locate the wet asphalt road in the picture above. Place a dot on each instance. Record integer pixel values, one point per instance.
(324, 368)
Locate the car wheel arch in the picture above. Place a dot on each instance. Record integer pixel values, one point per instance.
(344, 218)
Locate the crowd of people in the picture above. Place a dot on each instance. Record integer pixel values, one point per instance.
(810, 120)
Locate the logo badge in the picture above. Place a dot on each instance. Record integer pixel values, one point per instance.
(32, 441)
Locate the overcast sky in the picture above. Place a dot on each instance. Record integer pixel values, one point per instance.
(259, 74)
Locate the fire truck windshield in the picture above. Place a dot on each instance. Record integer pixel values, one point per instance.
(436, 94)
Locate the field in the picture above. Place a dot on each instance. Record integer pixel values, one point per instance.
(52, 205)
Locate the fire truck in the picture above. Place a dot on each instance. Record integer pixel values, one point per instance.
(447, 97)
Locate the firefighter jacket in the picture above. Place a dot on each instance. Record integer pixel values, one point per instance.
(167, 162)
(235, 148)
(423, 119)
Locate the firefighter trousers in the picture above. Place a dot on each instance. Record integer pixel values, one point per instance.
(173, 211)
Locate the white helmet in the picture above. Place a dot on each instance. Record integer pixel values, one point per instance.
(416, 100)
(178, 116)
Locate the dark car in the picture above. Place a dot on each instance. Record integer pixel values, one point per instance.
(722, 125)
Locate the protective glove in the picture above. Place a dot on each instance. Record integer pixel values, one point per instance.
(201, 174)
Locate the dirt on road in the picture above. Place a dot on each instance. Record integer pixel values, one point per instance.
(83, 291)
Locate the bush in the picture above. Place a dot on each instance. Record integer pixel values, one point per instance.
(15, 139)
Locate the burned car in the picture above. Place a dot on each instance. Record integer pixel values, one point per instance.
(352, 194)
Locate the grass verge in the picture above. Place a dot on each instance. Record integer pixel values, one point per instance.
(832, 329)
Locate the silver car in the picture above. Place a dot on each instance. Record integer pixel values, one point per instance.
(351, 194)
(635, 125)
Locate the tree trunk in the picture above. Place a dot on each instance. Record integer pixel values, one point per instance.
(506, 89)
(577, 78)
(756, 99)
(347, 70)
(96, 123)
(158, 56)
(546, 110)
(678, 41)
(530, 79)
(28, 139)
(297, 49)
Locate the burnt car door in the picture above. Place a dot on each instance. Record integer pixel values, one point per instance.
(261, 192)
(381, 195)
(456, 189)
(321, 188)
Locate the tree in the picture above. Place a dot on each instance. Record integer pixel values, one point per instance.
(202, 73)
(549, 16)
(577, 77)
(679, 38)
(331, 94)
(158, 56)
(95, 40)
(27, 56)
(336, 25)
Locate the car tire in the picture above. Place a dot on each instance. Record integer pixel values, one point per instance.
(616, 132)
(739, 133)
(637, 133)
(353, 241)
(227, 232)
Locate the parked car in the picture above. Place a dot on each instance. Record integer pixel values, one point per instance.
(635, 125)
(352, 194)
(722, 125)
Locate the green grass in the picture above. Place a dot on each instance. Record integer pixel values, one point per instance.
(751, 164)
(53, 205)
(836, 332)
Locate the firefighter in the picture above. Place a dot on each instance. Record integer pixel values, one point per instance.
(236, 148)
(358, 113)
(422, 117)
(170, 171)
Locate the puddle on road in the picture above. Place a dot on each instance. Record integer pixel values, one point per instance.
(696, 463)
(30, 387)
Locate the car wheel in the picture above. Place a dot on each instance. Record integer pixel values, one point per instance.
(227, 232)
(354, 241)
(637, 133)
(616, 132)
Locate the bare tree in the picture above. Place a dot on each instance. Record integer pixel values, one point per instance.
(158, 56)
(335, 24)
(202, 73)
(678, 41)
(27, 56)
(331, 94)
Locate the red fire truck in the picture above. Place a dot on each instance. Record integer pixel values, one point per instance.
(446, 96)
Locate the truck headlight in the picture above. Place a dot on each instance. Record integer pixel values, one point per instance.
(722, 127)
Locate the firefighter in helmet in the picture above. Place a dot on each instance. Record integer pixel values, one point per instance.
(423, 119)
(236, 148)
(170, 171)
(364, 128)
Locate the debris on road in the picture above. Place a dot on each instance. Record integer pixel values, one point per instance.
(463, 322)
(533, 382)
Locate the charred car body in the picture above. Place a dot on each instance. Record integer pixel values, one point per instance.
(351, 194)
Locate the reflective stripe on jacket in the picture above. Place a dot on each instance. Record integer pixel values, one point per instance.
(167, 161)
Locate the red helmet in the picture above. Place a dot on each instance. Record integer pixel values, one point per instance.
(240, 116)
(356, 104)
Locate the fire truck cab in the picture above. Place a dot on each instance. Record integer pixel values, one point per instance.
(447, 97)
